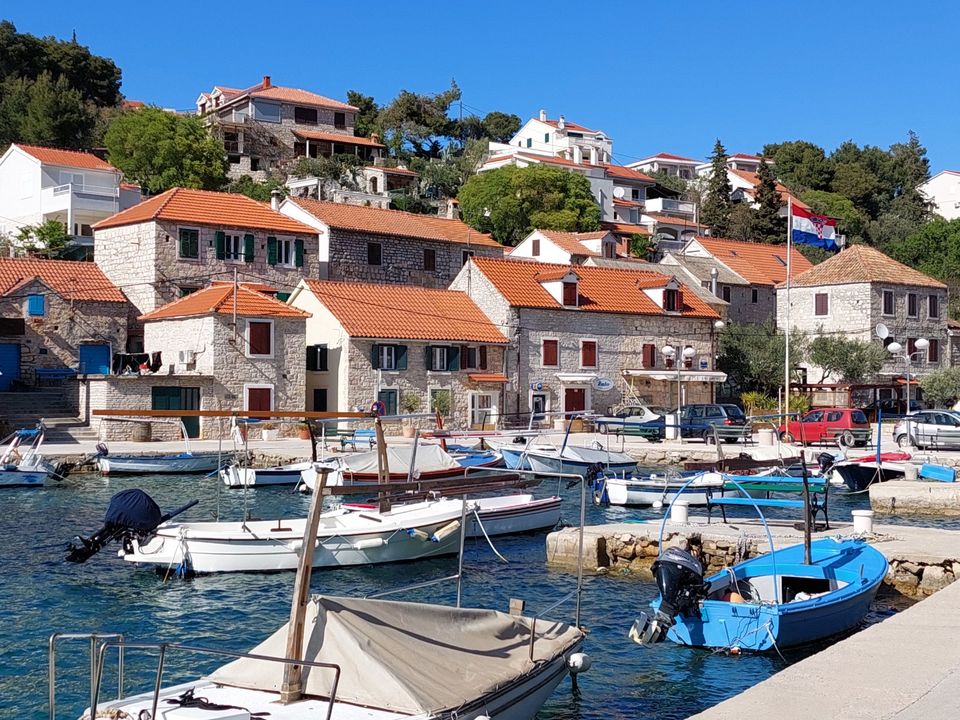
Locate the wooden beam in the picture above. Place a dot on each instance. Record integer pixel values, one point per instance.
(292, 414)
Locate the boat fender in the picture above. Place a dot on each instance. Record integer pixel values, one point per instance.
(295, 546)
(579, 663)
(446, 530)
(418, 534)
(369, 543)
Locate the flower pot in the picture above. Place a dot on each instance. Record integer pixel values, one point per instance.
(408, 431)
(303, 433)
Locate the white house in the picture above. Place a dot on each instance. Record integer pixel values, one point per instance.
(669, 164)
(565, 248)
(75, 188)
(943, 191)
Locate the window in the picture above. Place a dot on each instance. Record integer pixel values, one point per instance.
(374, 254)
(550, 353)
(588, 353)
(888, 302)
(388, 357)
(438, 358)
(340, 120)
(464, 256)
(280, 251)
(546, 137)
(305, 116)
(189, 244)
(69, 178)
(834, 416)
(913, 306)
(609, 250)
(320, 400)
(570, 294)
(259, 397)
(535, 247)
(933, 351)
(317, 357)
(529, 142)
(483, 411)
(266, 111)
(36, 305)
(725, 293)
(430, 259)
(285, 252)
(184, 290)
(254, 164)
(389, 400)
(821, 305)
(911, 346)
(233, 248)
(649, 355)
(754, 296)
(473, 358)
(671, 300)
(933, 306)
(259, 338)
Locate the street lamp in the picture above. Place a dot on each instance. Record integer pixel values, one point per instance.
(670, 353)
(896, 349)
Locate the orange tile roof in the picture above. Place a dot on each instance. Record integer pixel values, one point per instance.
(219, 299)
(255, 286)
(863, 264)
(281, 94)
(373, 220)
(345, 138)
(572, 243)
(625, 228)
(745, 156)
(203, 207)
(70, 279)
(67, 158)
(601, 289)
(671, 220)
(569, 125)
(404, 312)
(671, 156)
(627, 203)
(553, 275)
(754, 180)
(488, 377)
(625, 173)
(757, 263)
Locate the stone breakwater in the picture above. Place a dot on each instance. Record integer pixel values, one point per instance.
(631, 548)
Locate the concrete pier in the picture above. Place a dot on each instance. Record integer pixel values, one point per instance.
(910, 497)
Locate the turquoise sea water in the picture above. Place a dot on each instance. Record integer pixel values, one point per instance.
(41, 594)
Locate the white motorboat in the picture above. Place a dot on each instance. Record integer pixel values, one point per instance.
(379, 660)
(661, 489)
(235, 476)
(345, 537)
(25, 467)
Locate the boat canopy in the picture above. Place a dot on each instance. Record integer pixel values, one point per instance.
(429, 458)
(404, 657)
(27, 433)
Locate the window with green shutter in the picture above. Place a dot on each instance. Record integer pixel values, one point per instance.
(271, 250)
(189, 244)
(248, 248)
(298, 253)
(221, 245)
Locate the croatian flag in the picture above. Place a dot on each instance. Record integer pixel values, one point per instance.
(812, 229)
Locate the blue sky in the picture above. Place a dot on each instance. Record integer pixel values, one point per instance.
(667, 76)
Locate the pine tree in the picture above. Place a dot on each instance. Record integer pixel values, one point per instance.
(715, 211)
(768, 226)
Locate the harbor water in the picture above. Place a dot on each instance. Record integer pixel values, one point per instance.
(42, 594)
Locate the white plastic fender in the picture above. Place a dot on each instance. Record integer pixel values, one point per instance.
(447, 529)
(369, 543)
(418, 534)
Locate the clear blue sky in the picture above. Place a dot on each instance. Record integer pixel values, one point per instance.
(656, 76)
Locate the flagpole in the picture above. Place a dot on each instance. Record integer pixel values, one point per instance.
(786, 364)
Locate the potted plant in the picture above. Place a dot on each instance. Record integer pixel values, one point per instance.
(303, 431)
(409, 404)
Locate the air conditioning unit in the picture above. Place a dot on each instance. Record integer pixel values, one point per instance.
(187, 357)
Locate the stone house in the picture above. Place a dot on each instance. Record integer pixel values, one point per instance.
(586, 338)
(177, 242)
(57, 315)
(265, 126)
(219, 348)
(565, 248)
(368, 244)
(413, 349)
(747, 273)
(860, 288)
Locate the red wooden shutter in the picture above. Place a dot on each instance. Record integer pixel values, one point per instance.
(821, 305)
(588, 354)
(933, 351)
(649, 355)
(550, 354)
(570, 294)
(260, 339)
(259, 398)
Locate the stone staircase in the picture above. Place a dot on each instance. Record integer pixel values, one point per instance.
(24, 409)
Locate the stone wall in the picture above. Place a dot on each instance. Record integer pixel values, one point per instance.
(401, 259)
(744, 311)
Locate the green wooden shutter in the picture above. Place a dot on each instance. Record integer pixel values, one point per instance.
(298, 252)
(401, 356)
(428, 357)
(248, 248)
(453, 358)
(375, 356)
(221, 245)
(271, 250)
(483, 357)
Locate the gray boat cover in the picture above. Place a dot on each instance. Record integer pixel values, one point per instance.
(404, 657)
(429, 458)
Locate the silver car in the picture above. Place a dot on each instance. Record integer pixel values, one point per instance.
(928, 428)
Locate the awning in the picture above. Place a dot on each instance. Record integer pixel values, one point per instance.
(576, 378)
(488, 377)
(712, 376)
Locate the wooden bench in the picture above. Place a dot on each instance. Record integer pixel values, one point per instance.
(360, 435)
(54, 375)
(819, 496)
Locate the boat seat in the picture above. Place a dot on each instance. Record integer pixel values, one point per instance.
(818, 504)
(363, 436)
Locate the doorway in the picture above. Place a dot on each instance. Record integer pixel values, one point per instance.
(179, 398)
(574, 399)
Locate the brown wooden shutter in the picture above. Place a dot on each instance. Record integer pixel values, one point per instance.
(550, 354)
(570, 294)
(588, 354)
(933, 351)
(260, 339)
(821, 304)
(649, 355)
(482, 350)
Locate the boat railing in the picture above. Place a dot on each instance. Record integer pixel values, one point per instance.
(164, 648)
(96, 639)
(533, 620)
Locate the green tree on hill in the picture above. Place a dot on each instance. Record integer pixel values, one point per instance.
(768, 226)
(715, 212)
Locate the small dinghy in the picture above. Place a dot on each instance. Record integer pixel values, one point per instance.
(185, 463)
(234, 476)
(24, 466)
(657, 490)
(859, 473)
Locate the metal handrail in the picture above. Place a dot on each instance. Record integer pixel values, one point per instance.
(533, 624)
(163, 647)
(52, 664)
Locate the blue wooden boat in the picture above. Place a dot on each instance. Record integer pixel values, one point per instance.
(181, 464)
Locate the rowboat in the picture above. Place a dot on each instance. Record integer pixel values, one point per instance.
(185, 463)
(575, 459)
(773, 601)
(235, 476)
(658, 489)
(859, 473)
(21, 467)
(345, 537)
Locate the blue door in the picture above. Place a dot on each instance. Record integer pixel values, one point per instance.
(9, 364)
(94, 359)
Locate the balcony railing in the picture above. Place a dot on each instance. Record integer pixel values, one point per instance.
(670, 205)
(77, 188)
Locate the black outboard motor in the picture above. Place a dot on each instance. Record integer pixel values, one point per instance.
(679, 577)
(131, 513)
(826, 461)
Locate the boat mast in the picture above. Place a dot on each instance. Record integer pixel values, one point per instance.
(786, 361)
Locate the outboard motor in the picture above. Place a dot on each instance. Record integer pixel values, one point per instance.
(679, 577)
(131, 513)
(826, 462)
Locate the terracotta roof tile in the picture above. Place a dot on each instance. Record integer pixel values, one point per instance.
(572, 243)
(404, 312)
(295, 95)
(754, 180)
(758, 263)
(553, 275)
(219, 299)
(373, 220)
(70, 279)
(863, 264)
(67, 158)
(671, 220)
(625, 228)
(601, 289)
(625, 173)
(203, 207)
(569, 125)
(745, 156)
(488, 377)
(345, 138)
(671, 156)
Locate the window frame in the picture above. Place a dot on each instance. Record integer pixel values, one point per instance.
(884, 294)
(31, 298)
(379, 251)
(564, 286)
(439, 352)
(247, 349)
(754, 296)
(725, 293)
(340, 120)
(290, 243)
(180, 255)
(543, 354)
(259, 386)
(915, 299)
(228, 240)
(432, 265)
(933, 301)
(307, 110)
(596, 353)
(385, 351)
(816, 308)
(933, 351)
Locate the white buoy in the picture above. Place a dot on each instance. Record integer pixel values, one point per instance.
(679, 512)
(862, 521)
(578, 663)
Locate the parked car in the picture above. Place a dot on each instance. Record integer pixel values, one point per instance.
(697, 421)
(928, 427)
(827, 425)
(634, 419)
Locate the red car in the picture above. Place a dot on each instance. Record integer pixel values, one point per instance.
(827, 425)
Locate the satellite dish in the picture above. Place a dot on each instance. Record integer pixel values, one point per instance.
(618, 192)
(882, 332)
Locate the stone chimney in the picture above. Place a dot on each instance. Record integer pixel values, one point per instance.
(561, 123)
(266, 81)
(543, 115)
(275, 199)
